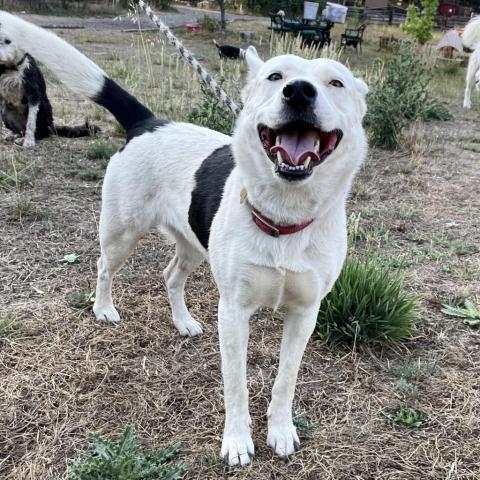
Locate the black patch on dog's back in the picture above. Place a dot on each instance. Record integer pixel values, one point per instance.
(123, 106)
(149, 125)
(210, 181)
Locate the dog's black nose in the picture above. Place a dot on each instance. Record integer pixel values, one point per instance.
(299, 94)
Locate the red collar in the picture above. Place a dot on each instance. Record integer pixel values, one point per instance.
(268, 227)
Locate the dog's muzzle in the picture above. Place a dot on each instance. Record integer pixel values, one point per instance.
(297, 147)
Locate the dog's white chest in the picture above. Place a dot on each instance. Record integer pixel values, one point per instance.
(271, 287)
(11, 87)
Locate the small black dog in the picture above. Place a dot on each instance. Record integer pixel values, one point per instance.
(24, 105)
(227, 51)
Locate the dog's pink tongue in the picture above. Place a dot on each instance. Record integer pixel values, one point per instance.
(296, 146)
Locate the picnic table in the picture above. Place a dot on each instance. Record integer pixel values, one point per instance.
(316, 32)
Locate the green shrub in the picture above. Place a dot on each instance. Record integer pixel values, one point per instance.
(209, 24)
(101, 149)
(399, 95)
(367, 304)
(125, 460)
(210, 112)
(420, 25)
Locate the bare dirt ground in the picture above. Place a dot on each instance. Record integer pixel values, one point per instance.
(62, 374)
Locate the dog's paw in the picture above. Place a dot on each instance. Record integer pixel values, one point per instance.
(237, 449)
(188, 327)
(28, 142)
(283, 438)
(106, 314)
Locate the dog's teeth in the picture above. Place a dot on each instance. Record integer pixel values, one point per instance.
(317, 146)
(307, 162)
(279, 158)
(277, 140)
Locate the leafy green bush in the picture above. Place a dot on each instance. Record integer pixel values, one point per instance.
(125, 460)
(367, 304)
(399, 95)
(421, 24)
(210, 112)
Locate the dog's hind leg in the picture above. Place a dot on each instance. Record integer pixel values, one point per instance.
(115, 247)
(185, 261)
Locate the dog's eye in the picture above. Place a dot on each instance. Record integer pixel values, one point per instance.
(274, 77)
(336, 83)
(7, 42)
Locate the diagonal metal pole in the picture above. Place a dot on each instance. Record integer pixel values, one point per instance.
(204, 75)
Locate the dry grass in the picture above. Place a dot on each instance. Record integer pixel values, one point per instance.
(63, 374)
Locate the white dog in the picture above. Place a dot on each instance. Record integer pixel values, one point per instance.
(266, 207)
(471, 39)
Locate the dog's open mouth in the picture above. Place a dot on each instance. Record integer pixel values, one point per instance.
(298, 147)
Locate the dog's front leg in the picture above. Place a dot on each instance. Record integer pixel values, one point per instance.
(469, 81)
(29, 140)
(298, 327)
(233, 329)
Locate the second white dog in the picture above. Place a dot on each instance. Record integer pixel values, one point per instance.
(266, 207)
(471, 39)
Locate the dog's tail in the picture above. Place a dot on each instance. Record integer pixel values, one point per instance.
(216, 44)
(76, 132)
(75, 70)
(471, 34)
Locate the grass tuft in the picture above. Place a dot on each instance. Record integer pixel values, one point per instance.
(367, 304)
(124, 460)
(90, 174)
(82, 299)
(101, 149)
(9, 325)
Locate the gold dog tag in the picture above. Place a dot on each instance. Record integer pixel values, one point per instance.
(243, 195)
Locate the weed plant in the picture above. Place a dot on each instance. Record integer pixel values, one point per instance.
(367, 304)
(125, 460)
(408, 417)
(211, 112)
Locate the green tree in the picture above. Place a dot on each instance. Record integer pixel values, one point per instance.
(420, 24)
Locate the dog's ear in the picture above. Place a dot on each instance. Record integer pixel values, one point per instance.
(362, 89)
(254, 62)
